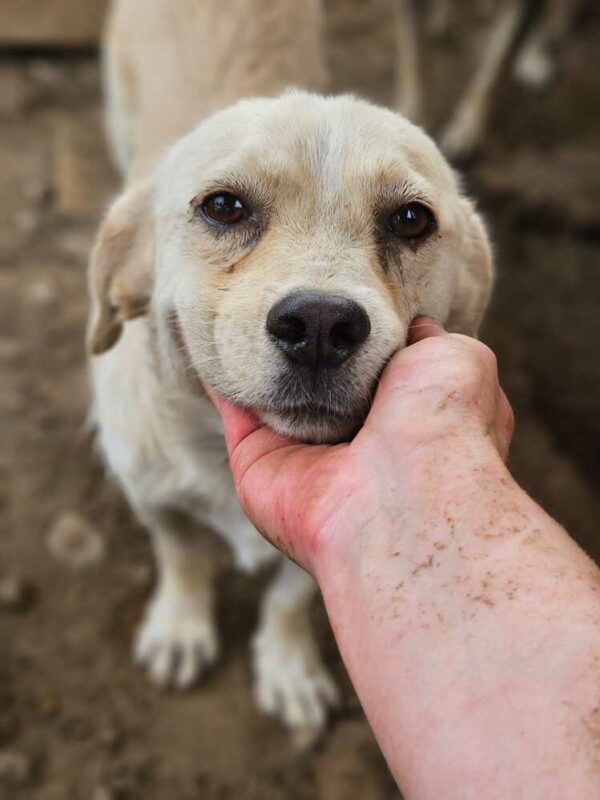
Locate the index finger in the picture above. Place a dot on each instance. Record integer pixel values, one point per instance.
(424, 328)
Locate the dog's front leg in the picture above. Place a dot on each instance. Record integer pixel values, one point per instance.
(177, 639)
(292, 682)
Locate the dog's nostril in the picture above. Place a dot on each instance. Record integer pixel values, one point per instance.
(342, 335)
(290, 328)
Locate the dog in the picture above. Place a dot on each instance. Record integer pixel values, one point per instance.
(272, 244)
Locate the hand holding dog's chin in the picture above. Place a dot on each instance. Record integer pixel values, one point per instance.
(438, 411)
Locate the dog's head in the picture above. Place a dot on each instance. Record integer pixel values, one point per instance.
(291, 242)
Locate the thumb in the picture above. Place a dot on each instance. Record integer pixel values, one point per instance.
(424, 328)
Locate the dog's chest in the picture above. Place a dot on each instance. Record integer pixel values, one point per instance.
(197, 480)
(178, 460)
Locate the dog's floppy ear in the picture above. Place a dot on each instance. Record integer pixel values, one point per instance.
(474, 277)
(121, 267)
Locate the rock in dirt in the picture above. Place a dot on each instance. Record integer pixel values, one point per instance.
(41, 292)
(110, 739)
(102, 793)
(15, 768)
(74, 541)
(15, 593)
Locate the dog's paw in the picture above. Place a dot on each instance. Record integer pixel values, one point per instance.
(292, 684)
(176, 641)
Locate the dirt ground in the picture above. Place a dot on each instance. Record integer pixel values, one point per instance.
(77, 720)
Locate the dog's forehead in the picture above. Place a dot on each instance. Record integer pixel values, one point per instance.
(299, 139)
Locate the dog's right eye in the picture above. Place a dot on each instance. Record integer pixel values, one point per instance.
(412, 221)
(223, 209)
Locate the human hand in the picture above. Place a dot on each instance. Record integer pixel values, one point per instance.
(445, 584)
(439, 393)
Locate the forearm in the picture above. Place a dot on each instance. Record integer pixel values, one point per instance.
(461, 597)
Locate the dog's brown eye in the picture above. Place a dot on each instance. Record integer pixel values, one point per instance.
(224, 209)
(412, 221)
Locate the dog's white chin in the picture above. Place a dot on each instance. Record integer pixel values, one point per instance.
(312, 431)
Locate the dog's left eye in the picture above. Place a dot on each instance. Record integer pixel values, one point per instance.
(224, 209)
(412, 221)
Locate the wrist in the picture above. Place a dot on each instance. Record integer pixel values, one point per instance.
(452, 468)
(407, 492)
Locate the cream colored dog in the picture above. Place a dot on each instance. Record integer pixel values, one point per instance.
(277, 252)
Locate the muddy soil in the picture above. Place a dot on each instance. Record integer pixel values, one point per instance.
(77, 720)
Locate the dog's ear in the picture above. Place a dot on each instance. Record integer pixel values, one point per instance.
(121, 267)
(474, 277)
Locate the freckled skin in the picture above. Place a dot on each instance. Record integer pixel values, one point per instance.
(468, 620)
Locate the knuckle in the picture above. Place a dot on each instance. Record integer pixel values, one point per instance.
(488, 357)
(483, 361)
(467, 366)
(483, 354)
(509, 415)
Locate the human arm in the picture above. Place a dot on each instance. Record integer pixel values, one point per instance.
(468, 620)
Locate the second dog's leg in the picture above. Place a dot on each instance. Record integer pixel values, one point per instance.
(177, 639)
(465, 129)
(292, 682)
(535, 63)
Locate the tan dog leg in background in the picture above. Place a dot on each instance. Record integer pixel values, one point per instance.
(535, 65)
(466, 127)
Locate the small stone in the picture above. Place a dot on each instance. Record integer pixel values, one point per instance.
(15, 767)
(41, 292)
(102, 793)
(110, 739)
(15, 594)
(46, 75)
(27, 220)
(75, 542)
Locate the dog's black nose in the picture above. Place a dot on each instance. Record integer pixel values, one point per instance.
(317, 329)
